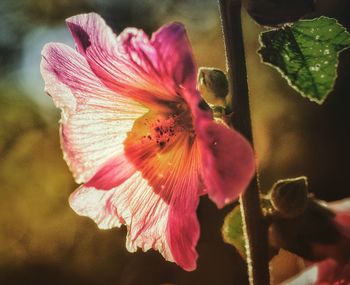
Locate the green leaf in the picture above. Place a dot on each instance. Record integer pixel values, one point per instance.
(232, 231)
(306, 53)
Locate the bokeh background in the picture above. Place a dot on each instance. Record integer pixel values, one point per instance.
(42, 241)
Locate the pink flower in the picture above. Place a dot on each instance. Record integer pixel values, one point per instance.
(326, 272)
(134, 131)
(334, 269)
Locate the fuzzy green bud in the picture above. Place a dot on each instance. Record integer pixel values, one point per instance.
(289, 197)
(213, 85)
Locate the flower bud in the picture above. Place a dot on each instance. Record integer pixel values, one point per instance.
(275, 12)
(213, 85)
(289, 197)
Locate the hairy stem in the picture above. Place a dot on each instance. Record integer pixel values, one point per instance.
(255, 228)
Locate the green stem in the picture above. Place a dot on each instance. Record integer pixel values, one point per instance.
(255, 227)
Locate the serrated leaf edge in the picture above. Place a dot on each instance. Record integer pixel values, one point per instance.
(303, 94)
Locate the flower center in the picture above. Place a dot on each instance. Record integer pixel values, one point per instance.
(163, 128)
(161, 131)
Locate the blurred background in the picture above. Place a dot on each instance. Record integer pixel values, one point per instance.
(42, 241)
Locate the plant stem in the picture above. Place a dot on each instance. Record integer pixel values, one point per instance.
(255, 227)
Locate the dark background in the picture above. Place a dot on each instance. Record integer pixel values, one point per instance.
(42, 241)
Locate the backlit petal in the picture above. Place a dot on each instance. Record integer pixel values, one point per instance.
(94, 119)
(128, 64)
(113, 173)
(175, 54)
(133, 204)
(171, 165)
(227, 159)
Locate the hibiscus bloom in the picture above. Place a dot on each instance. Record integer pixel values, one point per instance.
(136, 133)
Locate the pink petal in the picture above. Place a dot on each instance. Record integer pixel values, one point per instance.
(172, 230)
(331, 272)
(94, 119)
(327, 272)
(97, 205)
(175, 53)
(342, 215)
(113, 173)
(183, 226)
(227, 159)
(172, 168)
(128, 64)
(343, 222)
(132, 203)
